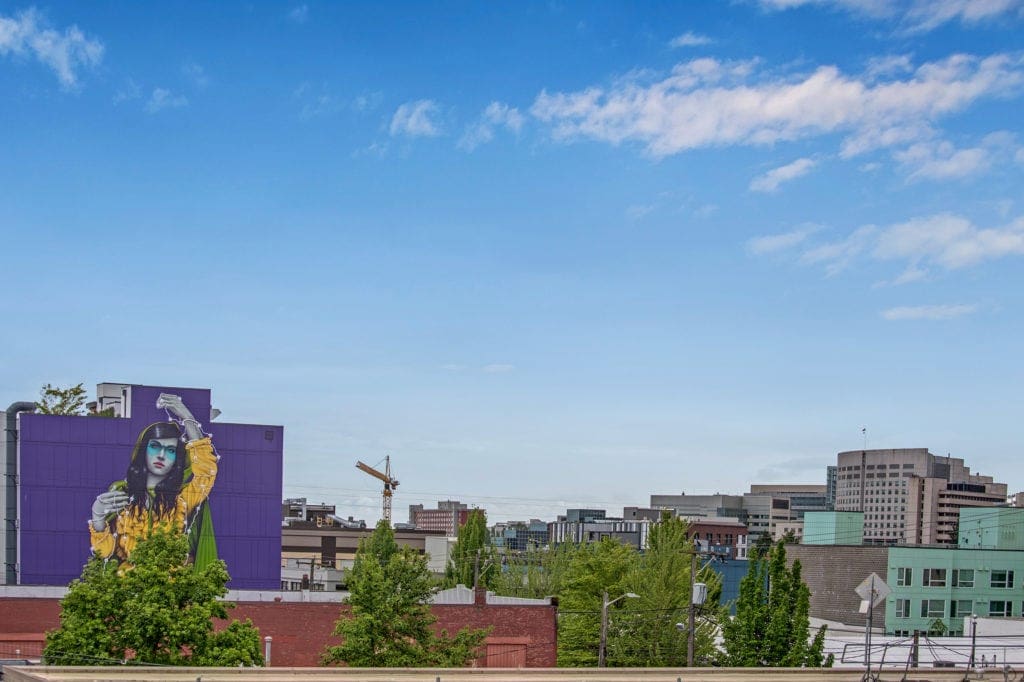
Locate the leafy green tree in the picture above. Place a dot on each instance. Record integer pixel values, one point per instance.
(595, 568)
(160, 611)
(650, 635)
(389, 624)
(536, 573)
(772, 626)
(55, 400)
(472, 555)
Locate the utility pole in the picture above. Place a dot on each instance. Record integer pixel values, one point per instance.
(867, 632)
(974, 639)
(603, 642)
(604, 630)
(691, 616)
(691, 624)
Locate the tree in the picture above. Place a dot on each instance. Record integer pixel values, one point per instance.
(771, 626)
(160, 611)
(473, 560)
(54, 400)
(536, 573)
(596, 568)
(389, 624)
(650, 635)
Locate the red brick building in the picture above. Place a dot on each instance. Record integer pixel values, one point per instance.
(448, 517)
(721, 534)
(523, 632)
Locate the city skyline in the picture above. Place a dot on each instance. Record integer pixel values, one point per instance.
(544, 256)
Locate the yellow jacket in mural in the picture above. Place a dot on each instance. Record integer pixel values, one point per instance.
(120, 536)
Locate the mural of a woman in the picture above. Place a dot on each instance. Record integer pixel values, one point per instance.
(171, 473)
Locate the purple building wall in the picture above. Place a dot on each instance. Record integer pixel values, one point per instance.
(64, 462)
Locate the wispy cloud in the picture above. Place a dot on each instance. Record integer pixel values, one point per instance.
(128, 92)
(299, 14)
(770, 181)
(26, 34)
(161, 99)
(914, 15)
(496, 115)
(774, 243)
(416, 119)
(924, 15)
(949, 241)
(196, 74)
(837, 256)
(940, 160)
(928, 312)
(316, 101)
(498, 368)
(707, 102)
(689, 39)
(639, 211)
(945, 241)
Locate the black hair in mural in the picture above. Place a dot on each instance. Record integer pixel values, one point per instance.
(165, 496)
(173, 469)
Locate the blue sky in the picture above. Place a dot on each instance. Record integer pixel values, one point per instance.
(543, 254)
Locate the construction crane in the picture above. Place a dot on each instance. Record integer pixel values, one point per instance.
(390, 483)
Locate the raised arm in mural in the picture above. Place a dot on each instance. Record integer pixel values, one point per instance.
(172, 471)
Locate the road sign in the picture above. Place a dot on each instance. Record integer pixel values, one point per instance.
(873, 589)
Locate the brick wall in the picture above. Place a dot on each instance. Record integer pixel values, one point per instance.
(300, 631)
(833, 572)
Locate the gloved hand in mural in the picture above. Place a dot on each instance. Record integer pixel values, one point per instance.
(172, 470)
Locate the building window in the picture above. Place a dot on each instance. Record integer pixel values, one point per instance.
(933, 608)
(934, 577)
(903, 608)
(1002, 579)
(963, 577)
(999, 609)
(958, 608)
(904, 577)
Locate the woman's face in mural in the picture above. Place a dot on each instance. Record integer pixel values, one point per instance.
(160, 455)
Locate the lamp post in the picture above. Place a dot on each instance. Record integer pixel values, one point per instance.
(604, 624)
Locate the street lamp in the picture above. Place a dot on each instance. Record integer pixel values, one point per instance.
(604, 624)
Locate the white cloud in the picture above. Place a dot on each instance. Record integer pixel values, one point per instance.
(496, 115)
(913, 273)
(837, 256)
(690, 39)
(26, 34)
(928, 312)
(196, 74)
(949, 241)
(164, 99)
(416, 119)
(889, 65)
(770, 181)
(299, 14)
(639, 211)
(130, 91)
(707, 102)
(914, 15)
(941, 161)
(924, 15)
(945, 241)
(780, 242)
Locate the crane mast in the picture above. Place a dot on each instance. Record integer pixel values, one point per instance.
(390, 483)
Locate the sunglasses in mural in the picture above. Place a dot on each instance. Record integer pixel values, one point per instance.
(172, 470)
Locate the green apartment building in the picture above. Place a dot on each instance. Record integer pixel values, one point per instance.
(983, 576)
